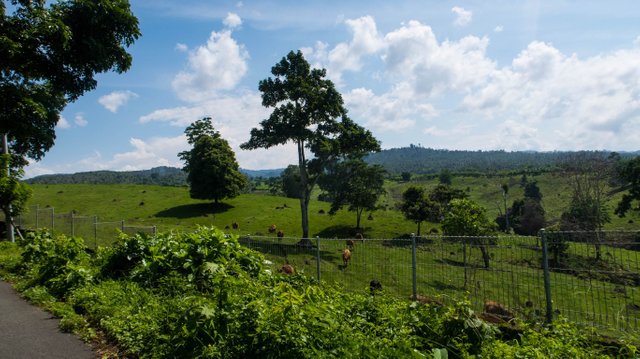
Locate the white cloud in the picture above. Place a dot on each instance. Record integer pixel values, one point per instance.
(394, 111)
(413, 54)
(182, 47)
(232, 20)
(63, 123)
(233, 116)
(116, 99)
(555, 101)
(463, 17)
(346, 56)
(80, 120)
(498, 28)
(218, 65)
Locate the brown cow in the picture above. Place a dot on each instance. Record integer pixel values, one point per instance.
(280, 234)
(346, 257)
(495, 308)
(350, 244)
(287, 269)
(235, 225)
(272, 228)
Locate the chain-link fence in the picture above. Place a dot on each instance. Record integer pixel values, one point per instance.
(587, 277)
(93, 232)
(576, 282)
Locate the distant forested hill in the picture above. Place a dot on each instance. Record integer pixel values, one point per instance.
(416, 159)
(413, 159)
(162, 176)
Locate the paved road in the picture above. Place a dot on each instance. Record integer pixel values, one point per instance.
(27, 331)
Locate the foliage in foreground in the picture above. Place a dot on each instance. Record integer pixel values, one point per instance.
(202, 294)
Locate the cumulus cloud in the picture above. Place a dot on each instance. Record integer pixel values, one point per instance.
(63, 123)
(215, 66)
(463, 17)
(233, 116)
(498, 28)
(232, 20)
(393, 111)
(581, 103)
(116, 99)
(346, 56)
(80, 120)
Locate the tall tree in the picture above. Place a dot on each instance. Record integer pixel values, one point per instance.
(212, 170)
(50, 56)
(13, 193)
(308, 111)
(441, 196)
(629, 175)
(505, 191)
(587, 210)
(355, 184)
(467, 218)
(416, 206)
(290, 182)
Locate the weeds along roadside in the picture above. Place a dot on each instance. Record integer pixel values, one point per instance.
(203, 294)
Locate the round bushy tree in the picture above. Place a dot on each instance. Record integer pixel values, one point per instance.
(212, 170)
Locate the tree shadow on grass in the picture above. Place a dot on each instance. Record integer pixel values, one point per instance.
(194, 210)
(285, 249)
(341, 231)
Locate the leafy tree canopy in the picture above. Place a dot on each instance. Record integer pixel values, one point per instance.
(212, 170)
(290, 182)
(355, 184)
(50, 56)
(630, 175)
(416, 205)
(466, 218)
(308, 111)
(14, 194)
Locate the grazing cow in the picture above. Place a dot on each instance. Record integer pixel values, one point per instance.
(346, 257)
(360, 237)
(272, 228)
(235, 225)
(287, 269)
(375, 286)
(280, 234)
(350, 244)
(428, 300)
(495, 308)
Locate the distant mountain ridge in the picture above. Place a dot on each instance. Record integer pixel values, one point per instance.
(417, 159)
(413, 159)
(162, 176)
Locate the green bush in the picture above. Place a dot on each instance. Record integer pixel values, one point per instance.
(201, 294)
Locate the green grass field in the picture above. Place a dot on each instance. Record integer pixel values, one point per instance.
(515, 277)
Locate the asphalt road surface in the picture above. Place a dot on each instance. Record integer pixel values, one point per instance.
(27, 331)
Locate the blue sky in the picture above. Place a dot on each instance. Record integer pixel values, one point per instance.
(474, 75)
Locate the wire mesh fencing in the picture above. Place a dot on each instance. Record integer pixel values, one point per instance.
(587, 277)
(576, 283)
(93, 232)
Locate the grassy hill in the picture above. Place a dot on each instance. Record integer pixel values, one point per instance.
(171, 208)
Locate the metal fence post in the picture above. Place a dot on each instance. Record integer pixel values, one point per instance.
(37, 209)
(155, 231)
(73, 230)
(95, 232)
(547, 276)
(122, 226)
(53, 219)
(414, 266)
(318, 258)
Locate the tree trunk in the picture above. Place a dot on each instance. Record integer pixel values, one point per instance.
(418, 234)
(304, 196)
(358, 216)
(485, 255)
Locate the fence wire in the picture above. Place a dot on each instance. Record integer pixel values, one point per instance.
(592, 277)
(598, 291)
